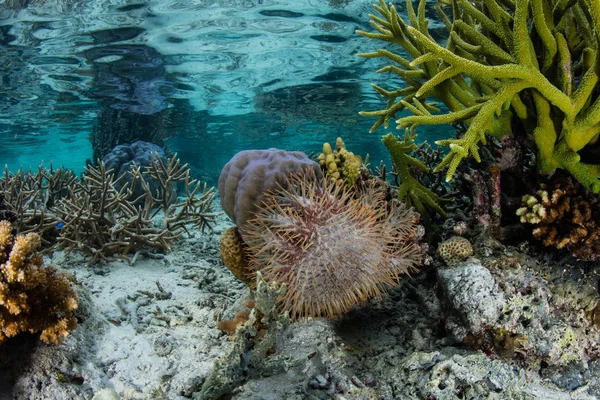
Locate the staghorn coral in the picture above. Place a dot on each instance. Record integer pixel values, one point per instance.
(531, 63)
(340, 163)
(106, 222)
(33, 298)
(29, 199)
(332, 250)
(140, 153)
(565, 216)
(410, 190)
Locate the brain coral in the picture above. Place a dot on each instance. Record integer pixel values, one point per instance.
(234, 254)
(251, 173)
(455, 249)
(332, 250)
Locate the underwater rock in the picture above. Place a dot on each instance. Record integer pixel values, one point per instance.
(469, 293)
(139, 153)
(458, 374)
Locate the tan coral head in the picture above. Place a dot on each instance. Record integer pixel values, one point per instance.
(234, 253)
(455, 249)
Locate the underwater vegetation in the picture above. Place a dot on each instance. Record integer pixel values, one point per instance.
(334, 246)
(508, 68)
(33, 298)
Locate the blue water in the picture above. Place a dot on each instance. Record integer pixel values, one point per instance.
(213, 76)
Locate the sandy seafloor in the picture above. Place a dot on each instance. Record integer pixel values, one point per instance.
(148, 331)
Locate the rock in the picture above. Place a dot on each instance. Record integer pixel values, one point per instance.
(468, 293)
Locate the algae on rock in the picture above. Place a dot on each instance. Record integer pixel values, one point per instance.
(250, 346)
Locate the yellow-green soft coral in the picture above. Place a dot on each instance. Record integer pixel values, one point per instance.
(532, 60)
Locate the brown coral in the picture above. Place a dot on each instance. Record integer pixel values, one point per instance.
(455, 249)
(565, 216)
(28, 199)
(33, 298)
(234, 254)
(108, 223)
(333, 251)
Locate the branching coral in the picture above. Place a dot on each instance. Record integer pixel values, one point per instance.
(410, 190)
(28, 198)
(333, 250)
(104, 221)
(33, 298)
(532, 61)
(564, 218)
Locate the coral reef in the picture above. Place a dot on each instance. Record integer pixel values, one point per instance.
(105, 222)
(565, 216)
(28, 199)
(121, 158)
(234, 254)
(248, 353)
(340, 163)
(527, 64)
(250, 174)
(332, 250)
(410, 190)
(454, 249)
(33, 298)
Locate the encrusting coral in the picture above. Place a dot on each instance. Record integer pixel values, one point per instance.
(531, 65)
(33, 298)
(565, 217)
(332, 250)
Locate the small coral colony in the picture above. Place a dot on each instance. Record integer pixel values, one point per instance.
(519, 82)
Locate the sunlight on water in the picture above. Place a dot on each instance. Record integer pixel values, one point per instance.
(215, 77)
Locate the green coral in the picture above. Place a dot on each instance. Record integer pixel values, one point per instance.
(535, 61)
(410, 190)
